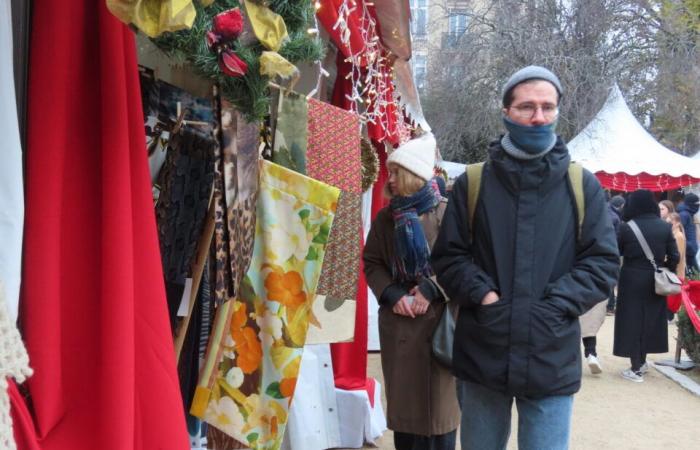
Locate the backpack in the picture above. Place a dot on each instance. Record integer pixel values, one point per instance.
(474, 172)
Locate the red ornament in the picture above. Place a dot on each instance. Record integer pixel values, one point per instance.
(232, 65)
(212, 39)
(228, 24)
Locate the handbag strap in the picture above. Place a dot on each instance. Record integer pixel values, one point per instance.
(643, 242)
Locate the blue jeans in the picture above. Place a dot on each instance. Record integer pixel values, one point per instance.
(543, 423)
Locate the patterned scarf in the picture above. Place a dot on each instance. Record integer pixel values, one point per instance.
(411, 250)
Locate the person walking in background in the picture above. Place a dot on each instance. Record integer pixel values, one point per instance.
(666, 207)
(522, 272)
(615, 208)
(422, 407)
(640, 317)
(679, 235)
(687, 211)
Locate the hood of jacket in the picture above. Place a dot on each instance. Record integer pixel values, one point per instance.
(692, 209)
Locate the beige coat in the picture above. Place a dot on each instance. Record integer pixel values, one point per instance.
(593, 320)
(679, 235)
(421, 394)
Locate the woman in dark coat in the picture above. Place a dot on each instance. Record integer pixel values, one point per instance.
(421, 396)
(640, 317)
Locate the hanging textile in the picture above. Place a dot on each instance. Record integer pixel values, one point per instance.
(185, 182)
(235, 196)
(333, 157)
(333, 153)
(11, 189)
(289, 148)
(14, 363)
(248, 394)
(94, 313)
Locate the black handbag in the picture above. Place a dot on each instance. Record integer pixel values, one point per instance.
(444, 336)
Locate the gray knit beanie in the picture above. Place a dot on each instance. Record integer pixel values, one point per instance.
(617, 202)
(531, 73)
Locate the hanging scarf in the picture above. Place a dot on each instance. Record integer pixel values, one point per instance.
(411, 250)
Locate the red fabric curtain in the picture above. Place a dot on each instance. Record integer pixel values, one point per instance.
(94, 312)
(622, 182)
(22, 423)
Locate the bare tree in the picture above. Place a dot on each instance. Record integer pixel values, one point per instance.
(589, 44)
(676, 120)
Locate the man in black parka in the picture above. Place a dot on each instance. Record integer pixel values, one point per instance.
(523, 276)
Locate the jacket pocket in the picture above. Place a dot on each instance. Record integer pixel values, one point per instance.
(481, 352)
(494, 315)
(554, 356)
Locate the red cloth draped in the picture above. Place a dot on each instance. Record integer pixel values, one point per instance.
(94, 313)
(379, 200)
(328, 15)
(22, 423)
(342, 89)
(623, 182)
(691, 302)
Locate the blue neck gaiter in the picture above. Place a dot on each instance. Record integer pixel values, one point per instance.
(533, 140)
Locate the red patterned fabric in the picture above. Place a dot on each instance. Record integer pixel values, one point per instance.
(623, 182)
(350, 359)
(333, 152)
(94, 313)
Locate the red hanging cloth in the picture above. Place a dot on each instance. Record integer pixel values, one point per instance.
(94, 312)
(328, 15)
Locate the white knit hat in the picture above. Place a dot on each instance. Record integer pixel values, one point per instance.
(417, 156)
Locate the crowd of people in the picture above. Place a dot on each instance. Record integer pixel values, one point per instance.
(530, 252)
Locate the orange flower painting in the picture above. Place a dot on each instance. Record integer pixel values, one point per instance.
(248, 349)
(286, 288)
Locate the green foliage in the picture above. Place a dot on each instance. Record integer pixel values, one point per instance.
(250, 93)
(689, 338)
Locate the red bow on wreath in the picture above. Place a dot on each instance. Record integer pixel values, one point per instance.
(227, 26)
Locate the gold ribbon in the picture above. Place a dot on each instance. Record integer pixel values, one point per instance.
(268, 27)
(273, 64)
(154, 17)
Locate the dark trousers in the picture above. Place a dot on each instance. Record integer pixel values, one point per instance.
(637, 361)
(612, 300)
(589, 346)
(408, 441)
(690, 261)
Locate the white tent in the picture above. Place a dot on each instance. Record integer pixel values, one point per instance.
(453, 169)
(616, 142)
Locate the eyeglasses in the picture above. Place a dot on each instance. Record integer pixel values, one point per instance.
(528, 111)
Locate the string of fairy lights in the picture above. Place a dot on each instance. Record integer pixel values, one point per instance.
(370, 76)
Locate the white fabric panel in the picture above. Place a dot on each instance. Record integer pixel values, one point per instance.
(615, 141)
(11, 190)
(313, 418)
(360, 423)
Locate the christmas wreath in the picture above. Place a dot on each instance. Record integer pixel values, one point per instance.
(241, 45)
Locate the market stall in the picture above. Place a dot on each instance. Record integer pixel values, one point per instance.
(199, 285)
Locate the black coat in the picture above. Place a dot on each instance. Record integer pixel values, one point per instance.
(525, 248)
(640, 315)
